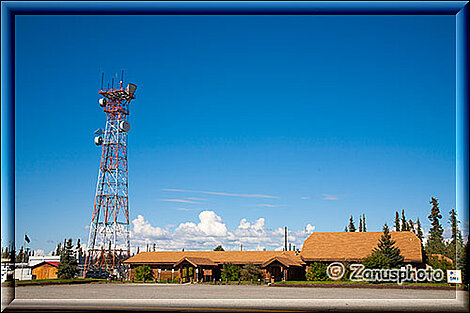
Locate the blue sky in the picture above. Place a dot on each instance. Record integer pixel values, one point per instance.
(321, 117)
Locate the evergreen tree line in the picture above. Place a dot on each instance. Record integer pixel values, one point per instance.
(435, 243)
(76, 250)
(23, 254)
(351, 227)
(455, 248)
(387, 255)
(21, 257)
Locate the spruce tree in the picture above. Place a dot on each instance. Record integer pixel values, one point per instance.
(455, 248)
(364, 229)
(346, 228)
(386, 248)
(79, 250)
(58, 250)
(360, 223)
(419, 231)
(411, 226)
(435, 242)
(404, 224)
(219, 248)
(5, 253)
(397, 221)
(68, 263)
(20, 257)
(454, 224)
(351, 228)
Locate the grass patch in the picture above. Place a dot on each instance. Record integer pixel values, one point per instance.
(321, 282)
(57, 281)
(346, 282)
(234, 282)
(139, 281)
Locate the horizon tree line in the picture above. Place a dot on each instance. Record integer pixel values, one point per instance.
(454, 248)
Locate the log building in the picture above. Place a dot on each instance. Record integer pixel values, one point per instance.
(327, 247)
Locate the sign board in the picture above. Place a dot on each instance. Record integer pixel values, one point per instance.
(454, 276)
(207, 272)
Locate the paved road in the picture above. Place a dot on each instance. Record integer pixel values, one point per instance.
(214, 298)
(152, 291)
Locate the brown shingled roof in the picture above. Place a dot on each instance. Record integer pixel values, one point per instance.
(354, 246)
(219, 257)
(196, 261)
(283, 260)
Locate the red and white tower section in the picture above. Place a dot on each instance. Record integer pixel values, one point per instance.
(108, 242)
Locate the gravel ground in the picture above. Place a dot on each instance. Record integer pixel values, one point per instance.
(209, 298)
(152, 291)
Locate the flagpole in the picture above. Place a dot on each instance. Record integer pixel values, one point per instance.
(24, 247)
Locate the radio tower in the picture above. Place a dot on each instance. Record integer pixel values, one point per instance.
(108, 242)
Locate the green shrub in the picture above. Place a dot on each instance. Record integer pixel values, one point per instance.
(347, 271)
(250, 271)
(317, 271)
(143, 272)
(230, 272)
(376, 260)
(68, 267)
(442, 264)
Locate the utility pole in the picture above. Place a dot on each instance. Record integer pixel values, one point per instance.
(285, 238)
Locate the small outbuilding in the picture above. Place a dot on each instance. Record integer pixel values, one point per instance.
(45, 270)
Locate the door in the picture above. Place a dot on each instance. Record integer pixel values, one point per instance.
(276, 273)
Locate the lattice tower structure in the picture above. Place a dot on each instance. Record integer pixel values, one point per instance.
(108, 241)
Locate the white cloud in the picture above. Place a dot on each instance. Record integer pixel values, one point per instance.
(39, 252)
(308, 230)
(217, 193)
(142, 228)
(267, 205)
(326, 196)
(188, 228)
(246, 229)
(178, 200)
(210, 225)
(304, 198)
(211, 231)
